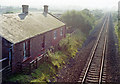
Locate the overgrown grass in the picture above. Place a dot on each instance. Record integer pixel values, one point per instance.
(42, 74)
(58, 58)
(117, 34)
(116, 27)
(19, 78)
(69, 46)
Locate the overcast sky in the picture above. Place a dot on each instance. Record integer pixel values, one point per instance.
(112, 4)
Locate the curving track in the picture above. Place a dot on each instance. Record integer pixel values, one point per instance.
(95, 68)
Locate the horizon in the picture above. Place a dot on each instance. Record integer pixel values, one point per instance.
(58, 4)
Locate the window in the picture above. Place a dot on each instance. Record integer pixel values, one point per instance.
(55, 34)
(26, 49)
(10, 56)
(61, 31)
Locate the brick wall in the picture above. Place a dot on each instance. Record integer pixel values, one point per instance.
(36, 45)
(59, 37)
(17, 55)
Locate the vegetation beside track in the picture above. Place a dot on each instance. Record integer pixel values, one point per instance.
(117, 27)
(84, 20)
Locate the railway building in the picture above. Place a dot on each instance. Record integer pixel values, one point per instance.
(25, 36)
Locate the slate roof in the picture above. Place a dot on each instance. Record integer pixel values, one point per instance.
(18, 27)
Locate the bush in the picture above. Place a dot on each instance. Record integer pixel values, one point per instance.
(43, 73)
(70, 44)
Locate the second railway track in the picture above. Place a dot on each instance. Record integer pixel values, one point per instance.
(95, 68)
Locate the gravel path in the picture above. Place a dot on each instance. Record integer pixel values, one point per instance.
(113, 59)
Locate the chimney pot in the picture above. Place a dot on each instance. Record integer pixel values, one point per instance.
(25, 9)
(45, 8)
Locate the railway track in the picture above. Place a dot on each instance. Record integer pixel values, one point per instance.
(95, 68)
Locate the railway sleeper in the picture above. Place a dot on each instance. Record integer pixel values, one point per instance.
(96, 76)
(93, 71)
(94, 68)
(92, 78)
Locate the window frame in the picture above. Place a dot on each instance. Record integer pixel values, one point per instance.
(55, 34)
(26, 49)
(61, 32)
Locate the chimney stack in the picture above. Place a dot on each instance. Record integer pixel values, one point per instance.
(45, 8)
(25, 9)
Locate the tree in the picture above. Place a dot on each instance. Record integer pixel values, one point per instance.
(82, 20)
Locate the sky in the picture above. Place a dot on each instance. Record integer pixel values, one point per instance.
(90, 4)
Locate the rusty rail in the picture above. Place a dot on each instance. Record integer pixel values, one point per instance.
(92, 54)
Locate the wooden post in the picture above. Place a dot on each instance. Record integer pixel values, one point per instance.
(0, 59)
(36, 63)
(21, 67)
(30, 68)
(33, 66)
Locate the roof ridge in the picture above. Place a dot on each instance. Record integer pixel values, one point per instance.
(55, 17)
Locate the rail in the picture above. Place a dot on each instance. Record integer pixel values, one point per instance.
(102, 64)
(93, 51)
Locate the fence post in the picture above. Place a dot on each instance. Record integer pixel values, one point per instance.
(36, 63)
(30, 68)
(21, 67)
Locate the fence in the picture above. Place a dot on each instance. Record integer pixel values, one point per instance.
(27, 68)
(5, 68)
